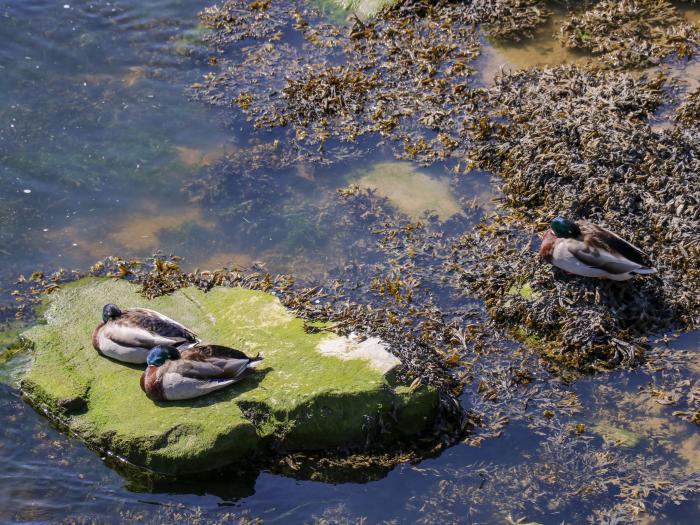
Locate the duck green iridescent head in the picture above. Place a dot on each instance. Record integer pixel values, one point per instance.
(160, 354)
(564, 228)
(110, 311)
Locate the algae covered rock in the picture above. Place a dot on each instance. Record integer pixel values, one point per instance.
(316, 391)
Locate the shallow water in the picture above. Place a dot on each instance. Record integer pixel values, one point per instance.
(97, 141)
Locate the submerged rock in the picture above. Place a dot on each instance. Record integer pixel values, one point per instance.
(622, 437)
(305, 397)
(411, 190)
(364, 9)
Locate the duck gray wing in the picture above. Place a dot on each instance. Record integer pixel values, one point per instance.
(595, 256)
(158, 323)
(613, 267)
(129, 335)
(189, 380)
(197, 369)
(233, 368)
(612, 244)
(205, 351)
(213, 366)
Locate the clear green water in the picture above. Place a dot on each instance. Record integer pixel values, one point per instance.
(97, 141)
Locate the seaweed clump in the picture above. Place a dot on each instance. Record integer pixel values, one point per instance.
(235, 20)
(336, 92)
(509, 19)
(578, 143)
(631, 33)
(688, 113)
(407, 79)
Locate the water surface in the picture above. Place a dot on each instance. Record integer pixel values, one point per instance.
(98, 143)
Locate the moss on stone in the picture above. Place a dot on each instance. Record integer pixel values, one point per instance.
(300, 400)
(14, 358)
(526, 291)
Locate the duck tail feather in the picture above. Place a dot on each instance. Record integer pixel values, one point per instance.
(255, 362)
(645, 271)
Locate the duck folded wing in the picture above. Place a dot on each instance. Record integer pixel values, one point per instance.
(178, 387)
(158, 323)
(201, 351)
(232, 367)
(604, 260)
(198, 369)
(134, 336)
(607, 241)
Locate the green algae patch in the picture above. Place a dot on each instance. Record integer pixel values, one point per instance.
(10, 344)
(14, 358)
(526, 291)
(302, 399)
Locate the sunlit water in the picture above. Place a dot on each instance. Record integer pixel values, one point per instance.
(97, 140)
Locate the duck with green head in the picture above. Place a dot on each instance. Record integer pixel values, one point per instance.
(129, 335)
(586, 249)
(174, 375)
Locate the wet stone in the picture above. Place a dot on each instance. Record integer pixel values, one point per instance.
(312, 398)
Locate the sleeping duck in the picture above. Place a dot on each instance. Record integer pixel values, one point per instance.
(586, 249)
(174, 375)
(128, 335)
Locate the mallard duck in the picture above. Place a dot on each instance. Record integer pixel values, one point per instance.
(173, 375)
(128, 335)
(586, 249)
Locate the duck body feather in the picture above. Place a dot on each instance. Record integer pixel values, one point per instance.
(595, 252)
(198, 371)
(130, 336)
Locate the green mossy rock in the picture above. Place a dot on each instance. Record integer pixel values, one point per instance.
(301, 399)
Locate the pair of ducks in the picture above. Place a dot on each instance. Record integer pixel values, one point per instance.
(180, 366)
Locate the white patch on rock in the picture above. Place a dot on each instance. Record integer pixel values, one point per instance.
(373, 350)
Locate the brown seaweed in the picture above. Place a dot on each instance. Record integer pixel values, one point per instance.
(634, 33)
